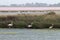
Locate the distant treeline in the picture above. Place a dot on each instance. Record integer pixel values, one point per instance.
(23, 20)
(33, 5)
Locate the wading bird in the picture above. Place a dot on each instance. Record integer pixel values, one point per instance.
(30, 25)
(10, 24)
(51, 26)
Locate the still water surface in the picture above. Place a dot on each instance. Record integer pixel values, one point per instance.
(29, 34)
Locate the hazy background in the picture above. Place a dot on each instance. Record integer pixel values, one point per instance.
(7, 2)
(30, 3)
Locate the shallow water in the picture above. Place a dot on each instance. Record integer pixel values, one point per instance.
(29, 34)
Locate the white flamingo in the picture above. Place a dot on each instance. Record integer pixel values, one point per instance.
(30, 25)
(10, 24)
(51, 26)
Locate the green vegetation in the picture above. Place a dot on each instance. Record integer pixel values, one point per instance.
(51, 13)
(39, 21)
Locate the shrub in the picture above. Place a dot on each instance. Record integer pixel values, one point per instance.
(40, 25)
(20, 24)
(51, 13)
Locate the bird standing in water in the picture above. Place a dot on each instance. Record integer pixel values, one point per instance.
(30, 25)
(10, 24)
(51, 26)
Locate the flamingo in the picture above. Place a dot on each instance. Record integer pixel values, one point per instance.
(30, 25)
(10, 24)
(51, 26)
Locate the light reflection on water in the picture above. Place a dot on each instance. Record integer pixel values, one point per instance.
(29, 34)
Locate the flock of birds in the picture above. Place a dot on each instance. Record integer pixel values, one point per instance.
(29, 26)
